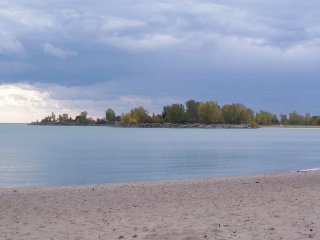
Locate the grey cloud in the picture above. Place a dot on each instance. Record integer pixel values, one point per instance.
(165, 49)
(145, 42)
(51, 50)
(10, 45)
(273, 24)
(116, 23)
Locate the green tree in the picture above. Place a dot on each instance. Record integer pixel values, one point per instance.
(46, 119)
(174, 113)
(157, 118)
(209, 113)
(53, 117)
(136, 115)
(296, 119)
(82, 118)
(83, 115)
(140, 114)
(192, 111)
(283, 119)
(237, 113)
(307, 119)
(246, 115)
(126, 118)
(227, 113)
(63, 118)
(49, 119)
(110, 116)
(266, 118)
(315, 120)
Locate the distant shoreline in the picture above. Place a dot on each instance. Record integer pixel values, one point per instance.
(151, 125)
(289, 126)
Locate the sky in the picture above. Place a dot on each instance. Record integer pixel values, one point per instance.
(70, 56)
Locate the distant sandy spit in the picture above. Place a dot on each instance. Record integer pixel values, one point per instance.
(280, 206)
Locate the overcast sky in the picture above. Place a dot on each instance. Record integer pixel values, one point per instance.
(69, 56)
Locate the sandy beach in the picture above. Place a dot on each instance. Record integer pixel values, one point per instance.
(280, 206)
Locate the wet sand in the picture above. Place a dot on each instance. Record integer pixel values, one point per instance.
(279, 206)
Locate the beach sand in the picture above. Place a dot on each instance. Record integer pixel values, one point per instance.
(280, 206)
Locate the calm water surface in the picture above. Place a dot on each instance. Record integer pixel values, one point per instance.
(53, 156)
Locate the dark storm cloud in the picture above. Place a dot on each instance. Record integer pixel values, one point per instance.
(262, 53)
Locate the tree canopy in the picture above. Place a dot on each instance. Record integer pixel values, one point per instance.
(192, 111)
(136, 115)
(174, 113)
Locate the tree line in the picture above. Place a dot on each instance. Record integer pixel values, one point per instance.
(192, 111)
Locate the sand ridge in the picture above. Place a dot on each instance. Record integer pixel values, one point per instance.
(279, 206)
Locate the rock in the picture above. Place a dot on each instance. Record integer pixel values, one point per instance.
(151, 125)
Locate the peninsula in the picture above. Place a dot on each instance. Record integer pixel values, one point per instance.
(192, 114)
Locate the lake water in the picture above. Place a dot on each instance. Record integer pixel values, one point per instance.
(55, 156)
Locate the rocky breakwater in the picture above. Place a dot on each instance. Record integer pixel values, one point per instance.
(150, 125)
(180, 125)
